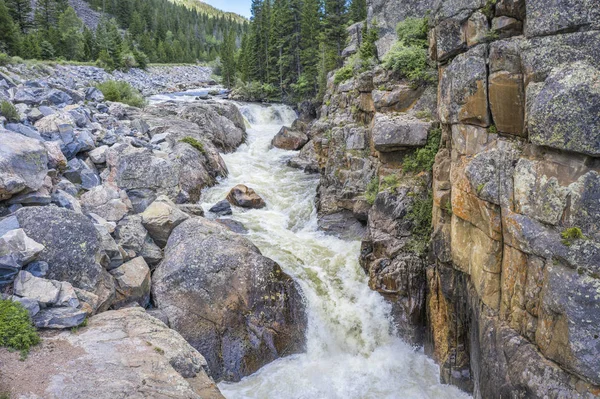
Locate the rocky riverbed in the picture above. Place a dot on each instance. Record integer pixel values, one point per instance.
(102, 242)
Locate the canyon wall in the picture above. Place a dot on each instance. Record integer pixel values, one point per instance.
(505, 295)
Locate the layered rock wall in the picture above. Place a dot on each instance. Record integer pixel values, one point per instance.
(506, 295)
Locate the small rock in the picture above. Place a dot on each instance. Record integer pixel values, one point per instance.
(245, 197)
(32, 306)
(132, 282)
(59, 318)
(38, 268)
(160, 218)
(221, 208)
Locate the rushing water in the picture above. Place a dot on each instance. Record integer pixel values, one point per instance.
(352, 351)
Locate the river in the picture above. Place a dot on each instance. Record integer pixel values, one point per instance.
(352, 351)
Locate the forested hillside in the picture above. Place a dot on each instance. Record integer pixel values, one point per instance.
(291, 46)
(130, 33)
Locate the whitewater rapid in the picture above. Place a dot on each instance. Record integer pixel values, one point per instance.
(352, 351)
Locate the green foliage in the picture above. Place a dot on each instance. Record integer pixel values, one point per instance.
(122, 92)
(343, 74)
(194, 143)
(412, 32)
(488, 9)
(357, 10)
(16, 329)
(408, 57)
(492, 129)
(423, 158)
(9, 111)
(571, 235)
(368, 49)
(409, 62)
(420, 216)
(425, 115)
(492, 35)
(389, 182)
(5, 59)
(372, 190)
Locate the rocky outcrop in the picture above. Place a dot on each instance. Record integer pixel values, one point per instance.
(232, 304)
(120, 353)
(499, 284)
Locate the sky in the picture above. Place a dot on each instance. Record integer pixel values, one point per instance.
(241, 7)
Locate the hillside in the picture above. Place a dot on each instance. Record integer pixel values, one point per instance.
(207, 9)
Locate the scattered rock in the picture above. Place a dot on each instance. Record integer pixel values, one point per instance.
(288, 139)
(132, 282)
(160, 218)
(245, 197)
(221, 208)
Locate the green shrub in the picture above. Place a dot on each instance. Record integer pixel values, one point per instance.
(409, 62)
(343, 74)
(122, 92)
(389, 182)
(422, 159)
(412, 32)
(572, 234)
(16, 330)
(5, 59)
(141, 58)
(9, 111)
(492, 129)
(420, 215)
(194, 143)
(488, 9)
(372, 190)
(128, 61)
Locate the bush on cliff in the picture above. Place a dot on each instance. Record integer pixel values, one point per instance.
(408, 57)
(16, 329)
(122, 92)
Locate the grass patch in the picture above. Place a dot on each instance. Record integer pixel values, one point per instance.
(372, 190)
(571, 235)
(16, 330)
(121, 92)
(9, 111)
(389, 182)
(194, 143)
(422, 159)
(493, 129)
(420, 215)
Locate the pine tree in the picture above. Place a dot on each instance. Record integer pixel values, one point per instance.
(335, 32)
(46, 14)
(228, 60)
(20, 11)
(358, 10)
(8, 31)
(72, 41)
(309, 39)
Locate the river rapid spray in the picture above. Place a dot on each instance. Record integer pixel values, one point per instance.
(352, 351)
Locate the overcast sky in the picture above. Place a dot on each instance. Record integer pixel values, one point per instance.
(241, 7)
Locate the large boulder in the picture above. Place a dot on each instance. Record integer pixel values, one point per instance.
(288, 139)
(120, 354)
(23, 164)
(72, 248)
(245, 197)
(227, 300)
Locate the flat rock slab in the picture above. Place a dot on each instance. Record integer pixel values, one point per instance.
(392, 133)
(120, 354)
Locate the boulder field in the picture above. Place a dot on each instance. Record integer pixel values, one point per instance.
(134, 293)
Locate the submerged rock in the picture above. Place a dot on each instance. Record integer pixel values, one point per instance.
(245, 197)
(227, 300)
(221, 208)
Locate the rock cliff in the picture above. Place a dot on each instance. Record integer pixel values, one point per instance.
(504, 290)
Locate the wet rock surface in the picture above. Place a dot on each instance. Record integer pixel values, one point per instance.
(227, 300)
